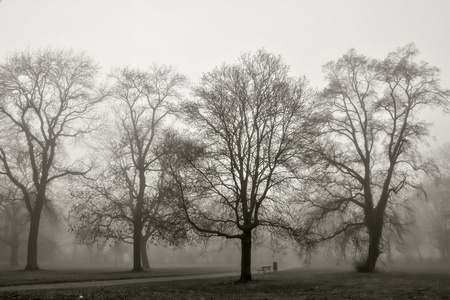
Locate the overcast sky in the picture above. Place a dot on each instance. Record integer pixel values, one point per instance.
(197, 35)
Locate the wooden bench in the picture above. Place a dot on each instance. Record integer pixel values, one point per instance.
(264, 269)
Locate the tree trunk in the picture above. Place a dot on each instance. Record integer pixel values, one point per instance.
(32, 261)
(137, 267)
(374, 249)
(246, 258)
(144, 257)
(137, 221)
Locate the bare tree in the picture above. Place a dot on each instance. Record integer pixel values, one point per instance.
(46, 97)
(437, 214)
(433, 207)
(249, 120)
(369, 152)
(144, 101)
(13, 218)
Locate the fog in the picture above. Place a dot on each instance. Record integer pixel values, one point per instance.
(418, 249)
(423, 245)
(59, 250)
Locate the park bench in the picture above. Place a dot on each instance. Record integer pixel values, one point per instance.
(264, 269)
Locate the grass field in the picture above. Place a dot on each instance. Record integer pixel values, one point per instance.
(19, 277)
(404, 282)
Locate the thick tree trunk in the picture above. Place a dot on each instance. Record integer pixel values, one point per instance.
(246, 258)
(137, 222)
(32, 261)
(375, 221)
(137, 267)
(144, 257)
(374, 249)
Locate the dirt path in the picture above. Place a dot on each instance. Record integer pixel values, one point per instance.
(102, 283)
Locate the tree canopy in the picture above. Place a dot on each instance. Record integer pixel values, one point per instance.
(369, 151)
(46, 96)
(251, 120)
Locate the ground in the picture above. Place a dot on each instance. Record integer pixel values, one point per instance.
(403, 282)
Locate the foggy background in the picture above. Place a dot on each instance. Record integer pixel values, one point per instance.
(196, 36)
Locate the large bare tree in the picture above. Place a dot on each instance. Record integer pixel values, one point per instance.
(370, 149)
(249, 119)
(46, 97)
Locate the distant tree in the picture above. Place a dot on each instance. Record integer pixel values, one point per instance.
(438, 219)
(46, 98)
(369, 152)
(249, 121)
(128, 197)
(433, 211)
(13, 218)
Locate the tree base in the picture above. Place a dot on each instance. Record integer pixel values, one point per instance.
(245, 278)
(364, 266)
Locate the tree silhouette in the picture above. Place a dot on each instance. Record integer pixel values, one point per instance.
(369, 154)
(250, 120)
(46, 97)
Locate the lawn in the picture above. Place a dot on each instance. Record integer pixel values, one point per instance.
(16, 276)
(300, 283)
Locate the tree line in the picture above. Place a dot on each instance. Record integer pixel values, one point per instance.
(248, 149)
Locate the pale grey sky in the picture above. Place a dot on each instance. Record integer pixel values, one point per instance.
(197, 35)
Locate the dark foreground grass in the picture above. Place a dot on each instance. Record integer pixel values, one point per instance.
(21, 277)
(292, 284)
